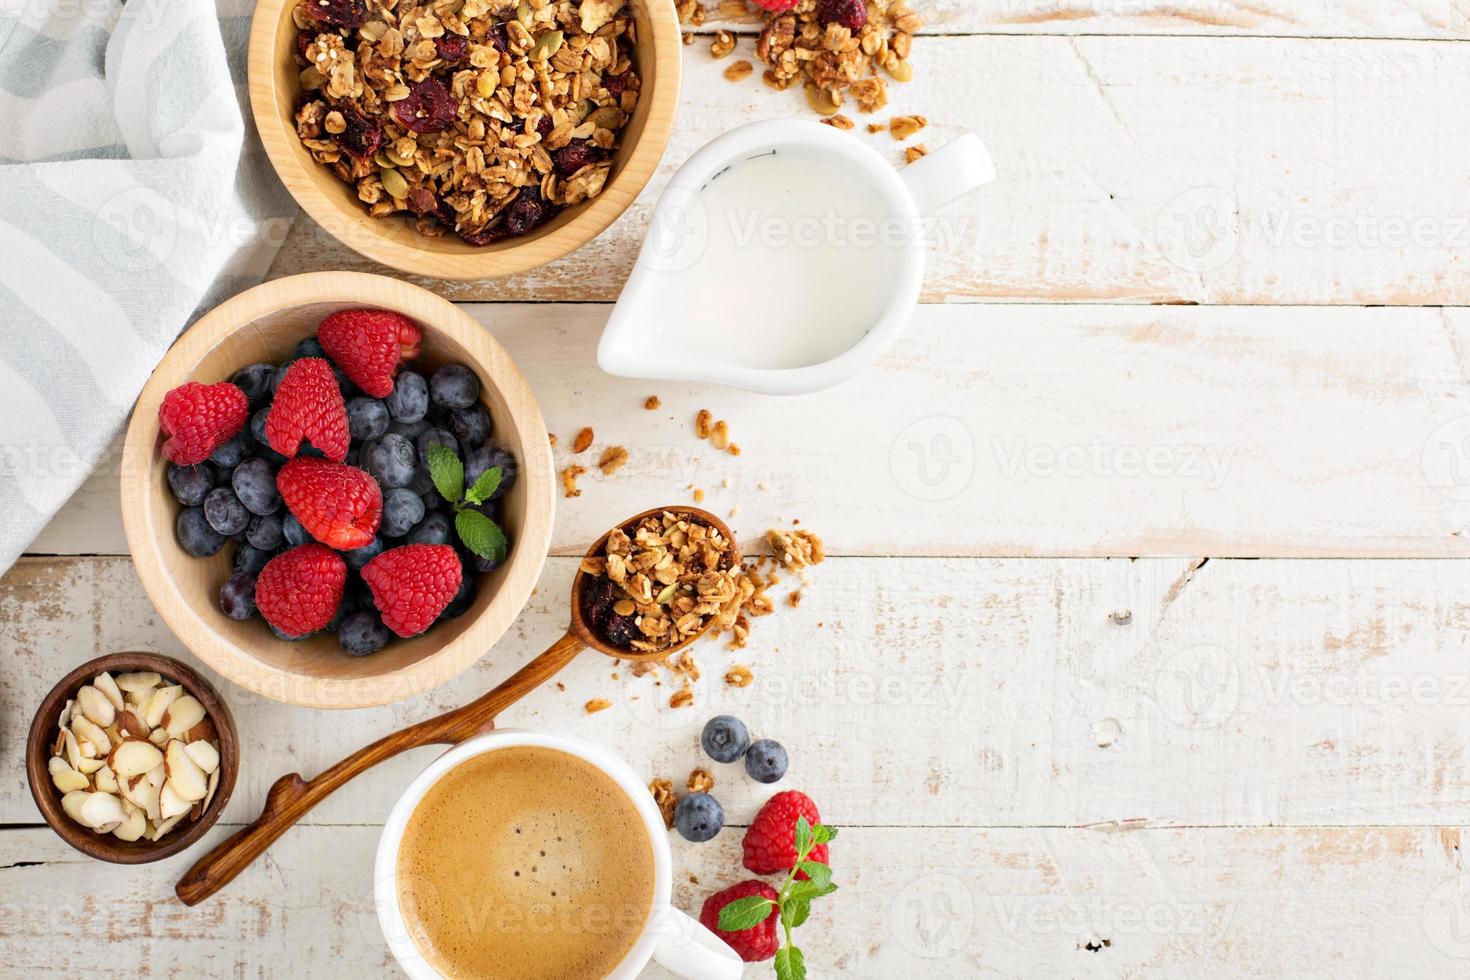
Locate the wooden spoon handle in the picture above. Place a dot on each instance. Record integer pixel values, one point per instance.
(291, 797)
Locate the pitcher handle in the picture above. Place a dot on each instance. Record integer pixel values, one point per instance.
(955, 169)
(689, 950)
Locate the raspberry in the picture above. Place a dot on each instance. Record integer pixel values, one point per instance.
(198, 419)
(754, 944)
(339, 505)
(775, 6)
(309, 406)
(369, 346)
(412, 584)
(429, 108)
(770, 842)
(851, 14)
(298, 591)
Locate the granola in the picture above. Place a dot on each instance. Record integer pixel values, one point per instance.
(837, 50)
(480, 118)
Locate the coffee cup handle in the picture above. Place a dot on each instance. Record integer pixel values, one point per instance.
(955, 169)
(689, 950)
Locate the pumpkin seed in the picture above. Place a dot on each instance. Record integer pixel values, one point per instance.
(394, 183)
(398, 159)
(901, 71)
(667, 593)
(524, 13)
(821, 101)
(382, 160)
(546, 45)
(608, 117)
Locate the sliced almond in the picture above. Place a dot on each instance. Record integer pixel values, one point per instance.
(213, 785)
(73, 749)
(57, 764)
(95, 706)
(68, 780)
(88, 766)
(131, 723)
(71, 804)
(182, 715)
(170, 803)
(85, 730)
(145, 795)
(168, 824)
(132, 828)
(100, 809)
(158, 737)
(184, 775)
(63, 719)
(204, 730)
(205, 755)
(140, 682)
(134, 757)
(89, 750)
(105, 780)
(157, 775)
(158, 704)
(104, 683)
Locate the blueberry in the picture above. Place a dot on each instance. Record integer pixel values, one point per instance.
(190, 484)
(280, 376)
(255, 381)
(698, 817)
(725, 738)
(363, 633)
(485, 457)
(237, 596)
(356, 597)
(194, 533)
(409, 399)
(224, 512)
(367, 418)
(409, 430)
(239, 446)
(358, 557)
(483, 565)
(255, 484)
(283, 635)
(310, 347)
(423, 485)
(462, 598)
(454, 386)
(435, 437)
(265, 531)
(293, 532)
(471, 426)
(433, 529)
(391, 461)
(250, 559)
(765, 761)
(402, 509)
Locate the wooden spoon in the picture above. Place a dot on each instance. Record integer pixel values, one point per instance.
(290, 797)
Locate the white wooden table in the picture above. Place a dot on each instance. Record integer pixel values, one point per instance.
(1144, 646)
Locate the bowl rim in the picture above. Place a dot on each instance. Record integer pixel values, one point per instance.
(590, 219)
(104, 847)
(237, 664)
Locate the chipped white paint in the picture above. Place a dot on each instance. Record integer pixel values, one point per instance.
(1031, 430)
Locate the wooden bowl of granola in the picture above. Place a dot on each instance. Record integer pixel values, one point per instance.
(463, 147)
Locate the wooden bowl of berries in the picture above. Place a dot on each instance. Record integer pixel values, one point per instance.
(462, 142)
(337, 490)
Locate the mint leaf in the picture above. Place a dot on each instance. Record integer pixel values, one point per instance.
(745, 913)
(789, 964)
(447, 472)
(803, 838)
(796, 912)
(486, 485)
(481, 535)
(817, 873)
(821, 834)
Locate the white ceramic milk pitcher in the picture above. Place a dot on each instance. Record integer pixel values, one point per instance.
(784, 257)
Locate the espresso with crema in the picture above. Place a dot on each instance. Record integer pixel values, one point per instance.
(525, 863)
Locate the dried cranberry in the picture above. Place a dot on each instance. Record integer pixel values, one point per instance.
(304, 40)
(574, 156)
(452, 47)
(337, 13)
(543, 125)
(362, 137)
(598, 596)
(499, 37)
(621, 631)
(528, 211)
(481, 238)
(618, 84)
(421, 200)
(429, 107)
(851, 14)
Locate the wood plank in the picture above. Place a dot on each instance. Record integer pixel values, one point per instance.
(994, 692)
(943, 903)
(1026, 430)
(1192, 169)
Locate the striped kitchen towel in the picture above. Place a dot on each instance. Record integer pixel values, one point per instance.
(133, 196)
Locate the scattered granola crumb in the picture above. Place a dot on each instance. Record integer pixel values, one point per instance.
(699, 496)
(763, 485)
(583, 440)
(725, 483)
(693, 878)
(552, 437)
(796, 549)
(664, 799)
(902, 127)
(794, 599)
(720, 436)
(832, 61)
(703, 423)
(652, 403)
(613, 458)
(722, 45)
(739, 676)
(681, 698)
(569, 480)
(560, 686)
(614, 675)
(700, 781)
(690, 12)
(734, 449)
(838, 121)
(595, 705)
(735, 511)
(739, 71)
(875, 127)
(912, 153)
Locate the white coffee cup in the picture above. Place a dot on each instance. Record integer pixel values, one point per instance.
(678, 278)
(670, 937)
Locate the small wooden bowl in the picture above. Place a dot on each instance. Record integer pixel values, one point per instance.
(106, 847)
(264, 324)
(275, 86)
